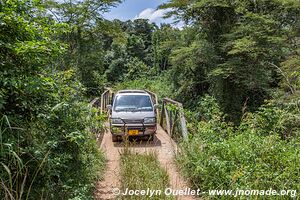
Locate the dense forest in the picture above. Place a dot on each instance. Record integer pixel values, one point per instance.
(235, 66)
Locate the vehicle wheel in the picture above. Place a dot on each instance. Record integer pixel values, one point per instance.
(115, 138)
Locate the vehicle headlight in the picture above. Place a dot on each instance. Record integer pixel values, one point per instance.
(150, 120)
(116, 129)
(116, 121)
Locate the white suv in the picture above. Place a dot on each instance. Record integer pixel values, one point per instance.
(132, 114)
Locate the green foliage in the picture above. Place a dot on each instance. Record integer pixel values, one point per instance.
(86, 37)
(136, 69)
(54, 53)
(193, 61)
(273, 119)
(291, 73)
(50, 147)
(138, 172)
(234, 51)
(131, 58)
(164, 40)
(258, 154)
(73, 160)
(47, 148)
(159, 85)
(25, 48)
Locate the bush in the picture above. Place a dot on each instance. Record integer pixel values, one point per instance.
(157, 84)
(74, 160)
(253, 155)
(57, 156)
(50, 152)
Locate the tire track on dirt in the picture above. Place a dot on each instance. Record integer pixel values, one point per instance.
(162, 145)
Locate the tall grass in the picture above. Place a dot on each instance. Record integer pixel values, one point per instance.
(14, 178)
(261, 153)
(140, 172)
(52, 157)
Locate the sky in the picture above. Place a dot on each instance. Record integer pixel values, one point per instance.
(134, 9)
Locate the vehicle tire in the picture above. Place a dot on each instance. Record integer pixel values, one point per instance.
(115, 138)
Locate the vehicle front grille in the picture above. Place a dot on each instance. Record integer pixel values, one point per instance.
(133, 121)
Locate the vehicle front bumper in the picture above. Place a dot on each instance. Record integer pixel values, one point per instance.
(124, 129)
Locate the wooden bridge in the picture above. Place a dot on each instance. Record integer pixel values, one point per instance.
(169, 113)
(171, 126)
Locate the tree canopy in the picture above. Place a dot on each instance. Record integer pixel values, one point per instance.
(235, 66)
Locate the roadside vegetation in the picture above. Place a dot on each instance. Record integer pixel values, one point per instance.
(157, 84)
(235, 68)
(47, 148)
(262, 152)
(143, 172)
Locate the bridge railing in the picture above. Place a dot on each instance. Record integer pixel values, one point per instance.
(96, 102)
(106, 99)
(94, 128)
(172, 116)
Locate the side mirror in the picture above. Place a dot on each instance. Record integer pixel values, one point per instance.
(155, 106)
(108, 107)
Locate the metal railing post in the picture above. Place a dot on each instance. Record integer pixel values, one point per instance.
(162, 114)
(171, 117)
(105, 100)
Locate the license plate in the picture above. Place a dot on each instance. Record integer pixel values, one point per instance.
(133, 132)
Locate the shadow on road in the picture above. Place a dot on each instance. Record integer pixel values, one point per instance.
(139, 143)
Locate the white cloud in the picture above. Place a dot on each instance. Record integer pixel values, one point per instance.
(156, 16)
(153, 15)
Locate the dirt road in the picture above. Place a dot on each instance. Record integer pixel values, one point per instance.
(163, 145)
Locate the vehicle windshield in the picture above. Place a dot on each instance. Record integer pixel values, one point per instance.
(133, 103)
